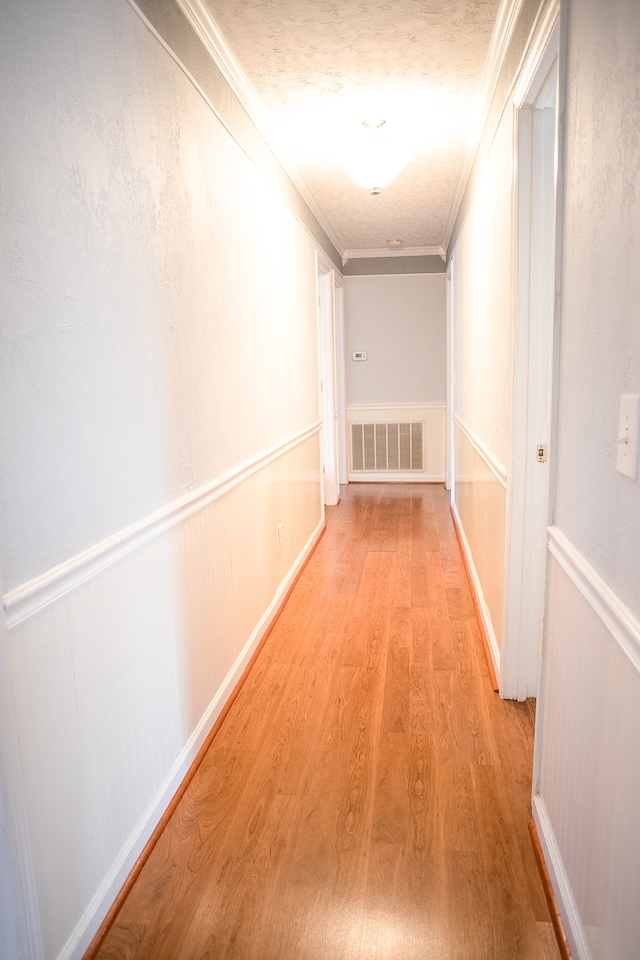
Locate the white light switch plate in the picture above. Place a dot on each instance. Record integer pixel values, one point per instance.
(628, 427)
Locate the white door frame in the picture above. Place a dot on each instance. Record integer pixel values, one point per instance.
(534, 233)
(327, 371)
(449, 467)
(341, 379)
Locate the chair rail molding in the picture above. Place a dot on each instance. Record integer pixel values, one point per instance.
(623, 626)
(28, 599)
(497, 468)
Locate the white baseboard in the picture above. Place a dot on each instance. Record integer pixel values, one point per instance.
(396, 477)
(494, 647)
(98, 908)
(571, 921)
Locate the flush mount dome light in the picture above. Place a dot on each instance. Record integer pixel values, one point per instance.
(394, 244)
(372, 159)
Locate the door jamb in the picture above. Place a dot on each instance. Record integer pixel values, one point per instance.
(449, 466)
(533, 361)
(325, 288)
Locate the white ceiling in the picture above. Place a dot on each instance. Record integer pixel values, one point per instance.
(319, 66)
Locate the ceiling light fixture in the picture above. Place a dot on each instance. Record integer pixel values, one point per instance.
(394, 244)
(372, 158)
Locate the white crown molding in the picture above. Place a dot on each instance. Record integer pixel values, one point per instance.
(503, 31)
(542, 50)
(212, 39)
(29, 598)
(398, 252)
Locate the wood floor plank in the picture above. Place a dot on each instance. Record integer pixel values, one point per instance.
(402, 587)
(435, 599)
(367, 795)
(421, 719)
(395, 706)
(391, 812)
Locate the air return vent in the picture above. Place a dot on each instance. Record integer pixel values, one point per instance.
(384, 447)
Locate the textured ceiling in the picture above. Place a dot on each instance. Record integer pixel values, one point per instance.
(321, 67)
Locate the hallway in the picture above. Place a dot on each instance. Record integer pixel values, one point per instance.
(367, 795)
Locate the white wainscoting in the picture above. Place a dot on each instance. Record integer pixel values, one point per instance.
(433, 415)
(479, 507)
(587, 778)
(121, 661)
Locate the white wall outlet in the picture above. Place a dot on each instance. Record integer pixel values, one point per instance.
(628, 426)
(280, 536)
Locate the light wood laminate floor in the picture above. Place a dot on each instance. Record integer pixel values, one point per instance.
(367, 795)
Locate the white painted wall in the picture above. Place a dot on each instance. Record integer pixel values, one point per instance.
(483, 317)
(482, 333)
(158, 420)
(600, 355)
(8, 907)
(400, 322)
(588, 754)
(133, 346)
(10, 915)
(586, 797)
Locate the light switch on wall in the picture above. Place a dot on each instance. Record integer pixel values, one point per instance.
(628, 426)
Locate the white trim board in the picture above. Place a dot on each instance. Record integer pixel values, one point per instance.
(616, 616)
(395, 476)
(97, 909)
(534, 233)
(494, 646)
(567, 907)
(540, 54)
(28, 599)
(497, 468)
(396, 252)
(381, 409)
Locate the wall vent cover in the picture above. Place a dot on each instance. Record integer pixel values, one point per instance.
(384, 447)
